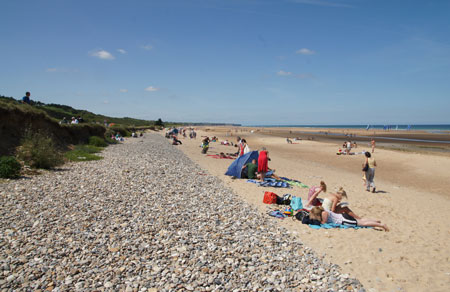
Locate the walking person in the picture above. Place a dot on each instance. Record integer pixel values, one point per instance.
(372, 143)
(369, 168)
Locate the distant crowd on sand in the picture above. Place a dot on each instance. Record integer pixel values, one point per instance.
(318, 207)
(172, 133)
(347, 147)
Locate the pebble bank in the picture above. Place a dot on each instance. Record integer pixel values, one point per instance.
(146, 218)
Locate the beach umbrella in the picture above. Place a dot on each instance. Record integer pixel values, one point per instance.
(235, 168)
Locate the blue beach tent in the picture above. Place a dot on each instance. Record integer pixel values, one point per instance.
(235, 167)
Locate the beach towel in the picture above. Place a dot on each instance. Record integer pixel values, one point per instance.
(333, 225)
(277, 214)
(270, 183)
(294, 182)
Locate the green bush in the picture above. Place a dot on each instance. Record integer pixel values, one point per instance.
(83, 153)
(38, 151)
(121, 129)
(108, 134)
(97, 141)
(9, 167)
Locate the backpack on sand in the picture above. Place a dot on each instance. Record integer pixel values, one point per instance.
(285, 200)
(270, 198)
(296, 203)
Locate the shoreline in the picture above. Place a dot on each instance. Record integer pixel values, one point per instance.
(415, 141)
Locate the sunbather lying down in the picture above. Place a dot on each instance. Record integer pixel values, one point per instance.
(249, 171)
(270, 173)
(319, 213)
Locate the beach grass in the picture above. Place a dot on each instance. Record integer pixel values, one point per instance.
(84, 153)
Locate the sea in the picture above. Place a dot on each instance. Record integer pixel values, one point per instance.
(443, 129)
(438, 128)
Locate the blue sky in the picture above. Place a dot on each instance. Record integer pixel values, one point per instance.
(238, 61)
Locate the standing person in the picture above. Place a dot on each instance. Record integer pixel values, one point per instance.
(26, 98)
(242, 146)
(314, 192)
(370, 172)
(246, 148)
(263, 163)
(238, 144)
(372, 143)
(349, 146)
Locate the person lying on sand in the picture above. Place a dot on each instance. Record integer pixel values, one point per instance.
(314, 192)
(271, 174)
(176, 141)
(319, 213)
(334, 203)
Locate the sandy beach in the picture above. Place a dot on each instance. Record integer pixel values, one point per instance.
(412, 199)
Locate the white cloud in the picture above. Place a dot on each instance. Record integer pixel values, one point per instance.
(294, 75)
(152, 89)
(51, 70)
(147, 47)
(283, 73)
(305, 51)
(122, 51)
(123, 90)
(106, 101)
(102, 54)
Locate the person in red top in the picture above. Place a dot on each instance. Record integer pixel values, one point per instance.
(263, 163)
(242, 147)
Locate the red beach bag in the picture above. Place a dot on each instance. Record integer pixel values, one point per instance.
(270, 198)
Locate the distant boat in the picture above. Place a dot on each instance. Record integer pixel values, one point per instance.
(368, 127)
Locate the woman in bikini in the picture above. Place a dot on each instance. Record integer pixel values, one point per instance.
(333, 203)
(319, 213)
(314, 192)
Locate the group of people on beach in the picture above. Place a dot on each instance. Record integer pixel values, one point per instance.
(330, 209)
(333, 210)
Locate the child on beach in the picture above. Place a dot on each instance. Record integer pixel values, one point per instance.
(334, 203)
(319, 213)
(314, 192)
